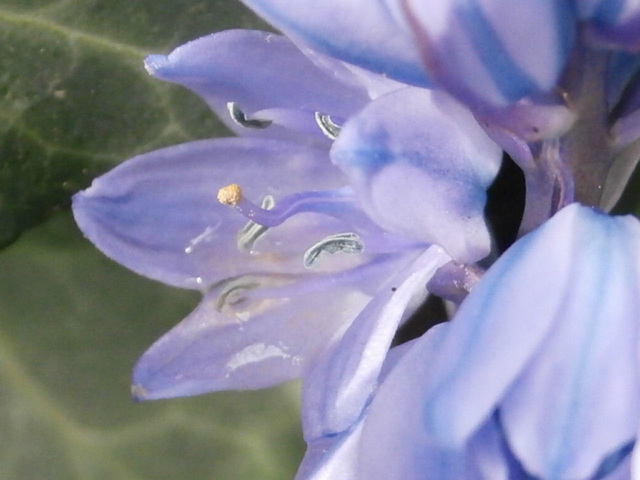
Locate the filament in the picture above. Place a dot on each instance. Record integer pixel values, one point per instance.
(329, 202)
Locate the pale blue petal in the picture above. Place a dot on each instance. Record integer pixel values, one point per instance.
(362, 32)
(591, 352)
(259, 71)
(337, 390)
(254, 331)
(492, 337)
(158, 215)
(420, 165)
(635, 460)
(550, 335)
(493, 52)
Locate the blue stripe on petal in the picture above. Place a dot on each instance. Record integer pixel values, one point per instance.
(613, 461)
(622, 67)
(511, 80)
(363, 50)
(565, 19)
(407, 72)
(608, 11)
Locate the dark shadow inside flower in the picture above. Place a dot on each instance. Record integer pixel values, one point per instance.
(430, 313)
(505, 204)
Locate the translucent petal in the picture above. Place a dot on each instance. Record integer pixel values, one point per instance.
(332, 458)
(362, 32)
(158, 215)
(337, 390)
(376, 85)
(254, 331)
(493, 52)
(335, 457)
(258, 71)
(420, 165)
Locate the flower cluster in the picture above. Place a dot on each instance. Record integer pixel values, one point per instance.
(356, 187)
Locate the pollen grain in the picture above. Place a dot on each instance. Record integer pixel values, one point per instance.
(230, 195)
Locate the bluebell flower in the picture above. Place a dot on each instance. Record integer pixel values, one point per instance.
(366, 143)
(536, 377)
(555, 84)
(541, 78)
(295, 247)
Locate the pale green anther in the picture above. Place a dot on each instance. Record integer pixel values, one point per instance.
(239, 117)
(328, 126)
(229, 294)
(339, 243)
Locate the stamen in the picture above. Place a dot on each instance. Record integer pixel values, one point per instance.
(252, 231)
(239, 117)
(342, 242)
(231, 293)
(330, 202)
(327, 125)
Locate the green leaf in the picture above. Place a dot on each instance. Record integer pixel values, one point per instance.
(72, 324)
(75, 98)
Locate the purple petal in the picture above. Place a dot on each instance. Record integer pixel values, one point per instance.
(530, 121)
(394, 442)
(420, 165)
(493, 52)
(391, 435)
(158, 215)
(254, 331)
(332, 458)
(360, 32)
(337, 390)
(259, 71)
(337, 456)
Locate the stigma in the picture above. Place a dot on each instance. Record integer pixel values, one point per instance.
(335, 203)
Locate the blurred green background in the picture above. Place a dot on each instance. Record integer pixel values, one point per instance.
(74, 101)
